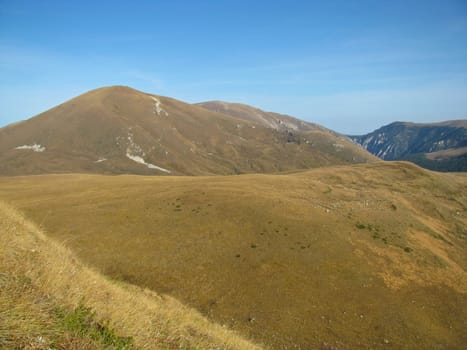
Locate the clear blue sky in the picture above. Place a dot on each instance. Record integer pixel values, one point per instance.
(349, 65)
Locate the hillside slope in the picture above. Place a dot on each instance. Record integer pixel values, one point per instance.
(355, 257)
(50, 300)
(118, 130)
(267, 119)
(437, 146)
(295, 130)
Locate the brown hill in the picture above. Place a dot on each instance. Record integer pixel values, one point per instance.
(312, 133)
(121, 130)
(267, 119)
(353, 257)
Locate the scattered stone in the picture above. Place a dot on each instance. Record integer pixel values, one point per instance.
(35, 147)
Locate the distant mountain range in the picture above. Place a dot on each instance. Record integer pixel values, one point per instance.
(436, 146)
(117, 130)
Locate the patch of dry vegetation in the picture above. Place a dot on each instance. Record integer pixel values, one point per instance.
(49, 299)
(349, 256)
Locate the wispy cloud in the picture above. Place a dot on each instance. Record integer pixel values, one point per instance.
(337, 61)
(17, 57)
(457, 25)
(354, 112)
(149, 80)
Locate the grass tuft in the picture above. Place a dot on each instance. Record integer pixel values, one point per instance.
(82, 322)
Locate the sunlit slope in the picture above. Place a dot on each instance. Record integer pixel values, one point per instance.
(51, 300)
(117, 130)
(368, 256)
(317, 137)
(268, 119)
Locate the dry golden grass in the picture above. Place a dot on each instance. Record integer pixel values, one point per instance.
(350, 256)
(37, 274)
(108, 123)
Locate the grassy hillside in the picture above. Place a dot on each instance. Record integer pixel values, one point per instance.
(50, 300)
(117, 130)
(369, 256)
(268, 119)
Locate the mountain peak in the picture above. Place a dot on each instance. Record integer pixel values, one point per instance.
(117, 129)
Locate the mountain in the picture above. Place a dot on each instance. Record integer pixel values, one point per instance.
(367, 256)
(436, 146)
(118, 130)
(267, 119)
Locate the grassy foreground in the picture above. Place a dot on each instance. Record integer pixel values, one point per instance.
(353, 257)
(49, 300)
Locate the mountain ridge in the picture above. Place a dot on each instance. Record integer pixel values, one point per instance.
(117, 129)
(436, 146)
(268, 119)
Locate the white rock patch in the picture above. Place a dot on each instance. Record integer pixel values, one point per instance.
(140, 160)
(157, 107)
(35, 147)
(338, 146)
(132, 147)
(100, 160)
(136, 154)
(289, 125)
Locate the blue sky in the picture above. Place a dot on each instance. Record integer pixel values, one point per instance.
(349, 65)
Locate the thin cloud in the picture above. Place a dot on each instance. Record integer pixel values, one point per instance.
(458, 25)
(150, 80)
